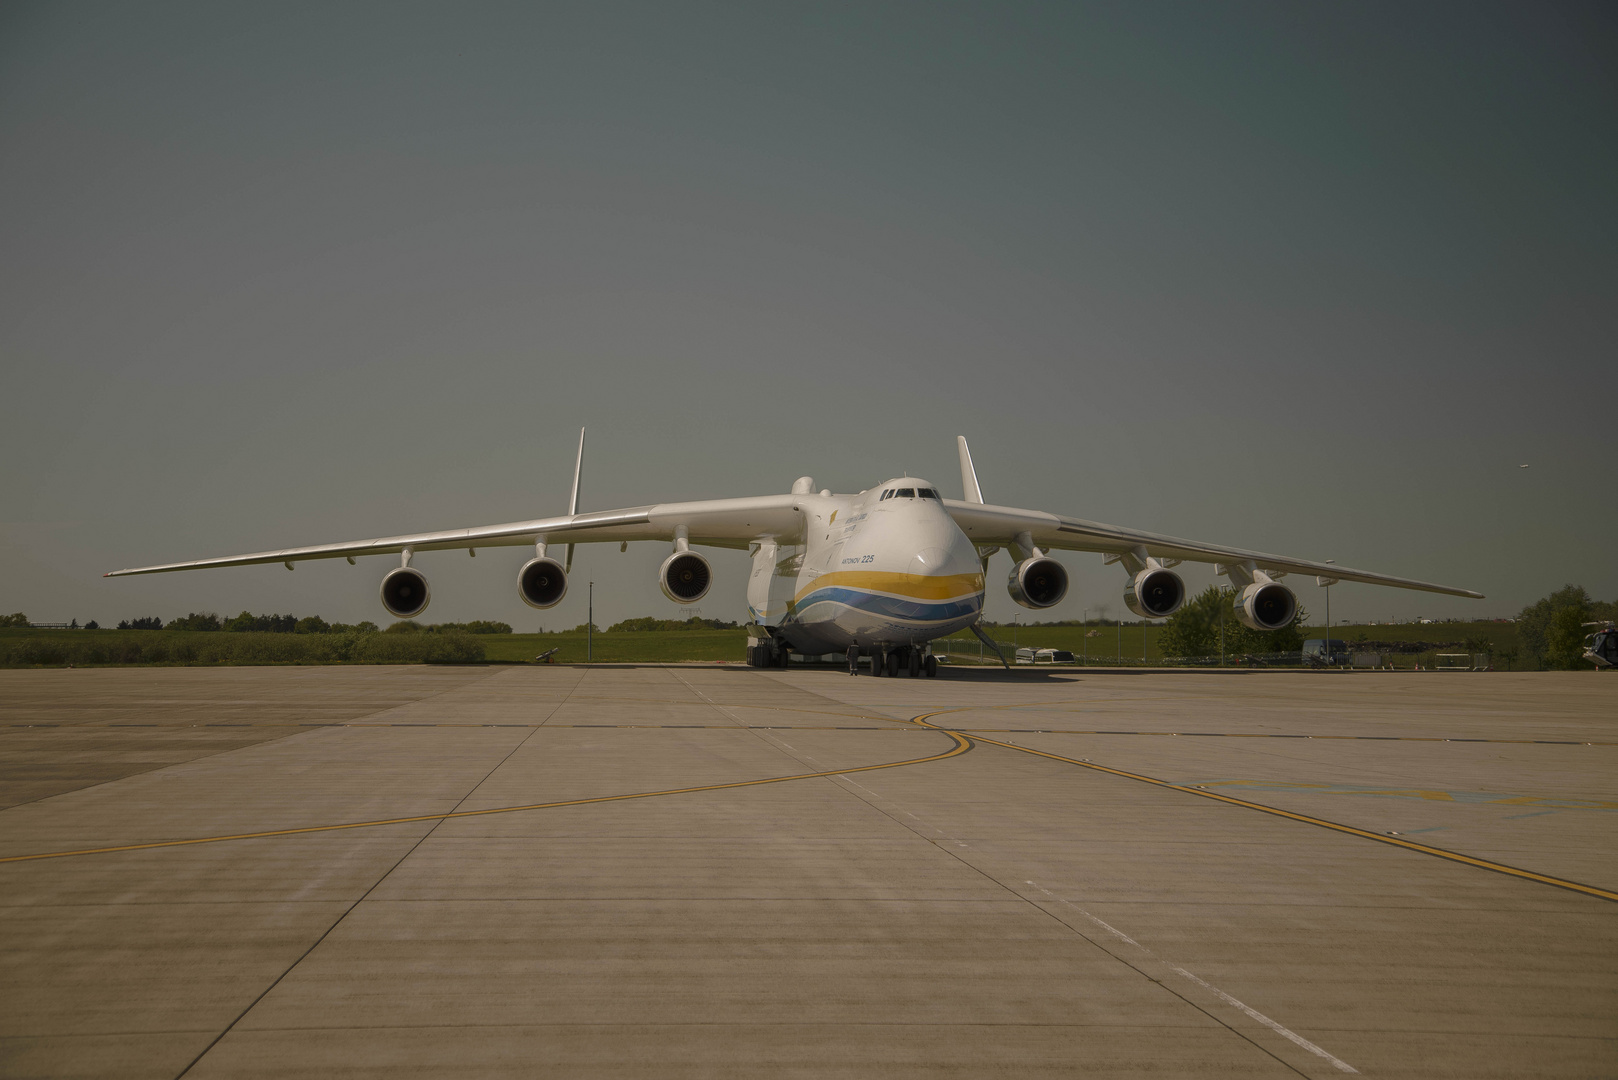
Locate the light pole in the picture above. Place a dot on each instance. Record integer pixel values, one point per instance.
(1327, 587)
(1084, 637)
(1221, 626)
(590, 627)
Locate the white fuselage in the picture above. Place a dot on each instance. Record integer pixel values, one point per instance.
(879, 569)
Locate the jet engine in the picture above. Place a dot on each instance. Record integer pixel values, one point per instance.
(685, 577)
(1266, 606)
(542, 583)
(1038, 583)
(1155, 593)
(405, 593)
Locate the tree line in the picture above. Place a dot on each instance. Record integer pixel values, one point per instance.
(247, 622)
(647, 622)
(1550, 631)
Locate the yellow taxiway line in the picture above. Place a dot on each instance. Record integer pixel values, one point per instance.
(1409, 845)
(962, 745)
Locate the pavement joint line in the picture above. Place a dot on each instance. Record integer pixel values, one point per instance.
(1226, 998)
(228, 1028)
(1365, 834)
(962, 745)
(959, 843)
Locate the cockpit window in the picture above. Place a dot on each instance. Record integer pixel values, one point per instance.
(905, 493)
(927, 493)
(888, 494)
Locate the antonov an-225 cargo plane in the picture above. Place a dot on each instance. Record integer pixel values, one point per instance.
(881, 573)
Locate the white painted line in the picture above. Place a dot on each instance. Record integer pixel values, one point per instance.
(1108, 927)
(1226, 998)
(1271, 1024)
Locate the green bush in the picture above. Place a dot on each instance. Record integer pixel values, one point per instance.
(1551, 629)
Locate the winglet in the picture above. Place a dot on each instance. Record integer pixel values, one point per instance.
(969, 475)
(573, 501)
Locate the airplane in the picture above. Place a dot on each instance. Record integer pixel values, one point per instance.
(881, 573)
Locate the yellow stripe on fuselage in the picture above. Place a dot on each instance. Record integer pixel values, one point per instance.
(941, 587)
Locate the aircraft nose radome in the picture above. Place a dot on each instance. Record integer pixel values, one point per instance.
(929, 562)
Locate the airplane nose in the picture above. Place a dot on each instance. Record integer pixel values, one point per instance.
(929, 562)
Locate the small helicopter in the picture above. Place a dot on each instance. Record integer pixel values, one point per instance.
(1603, 650)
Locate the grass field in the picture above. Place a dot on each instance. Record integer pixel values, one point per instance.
(25, 648)
(642, 646)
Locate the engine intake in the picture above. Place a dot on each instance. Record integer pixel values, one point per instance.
(1154, 594)
(405, 593)
(1038, 583)
(542, 583)
(685, 577)
(1266, 606)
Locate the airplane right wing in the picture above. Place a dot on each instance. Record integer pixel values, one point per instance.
(1004, 526)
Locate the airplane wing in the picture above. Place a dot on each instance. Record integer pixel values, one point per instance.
(1002, 526)
(731, 523)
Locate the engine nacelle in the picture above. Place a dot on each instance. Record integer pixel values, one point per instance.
(1266, 606)
(685, 577)
(1154, 593)
(542, 583)
(1038, 583)
(405, 593)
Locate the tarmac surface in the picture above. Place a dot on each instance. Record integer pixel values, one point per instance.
(683, 871)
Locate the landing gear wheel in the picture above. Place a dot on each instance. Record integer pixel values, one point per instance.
(879, 663)
(932, 666)
(784, 658)
(893, 665)
(915, 663)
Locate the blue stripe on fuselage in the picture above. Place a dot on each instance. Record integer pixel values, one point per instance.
(894, 607)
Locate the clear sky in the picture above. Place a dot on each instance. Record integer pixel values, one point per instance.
(1314, 279)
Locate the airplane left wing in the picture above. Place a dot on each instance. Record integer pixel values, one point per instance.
(729, 523)
(1004, 526)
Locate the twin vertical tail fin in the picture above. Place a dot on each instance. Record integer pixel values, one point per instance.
(573, 502)
(969, 475)
(974, 494)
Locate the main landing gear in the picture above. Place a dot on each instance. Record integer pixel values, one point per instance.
(767, 656)
(885, 661)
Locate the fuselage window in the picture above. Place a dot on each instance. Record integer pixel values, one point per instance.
(905, 493)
